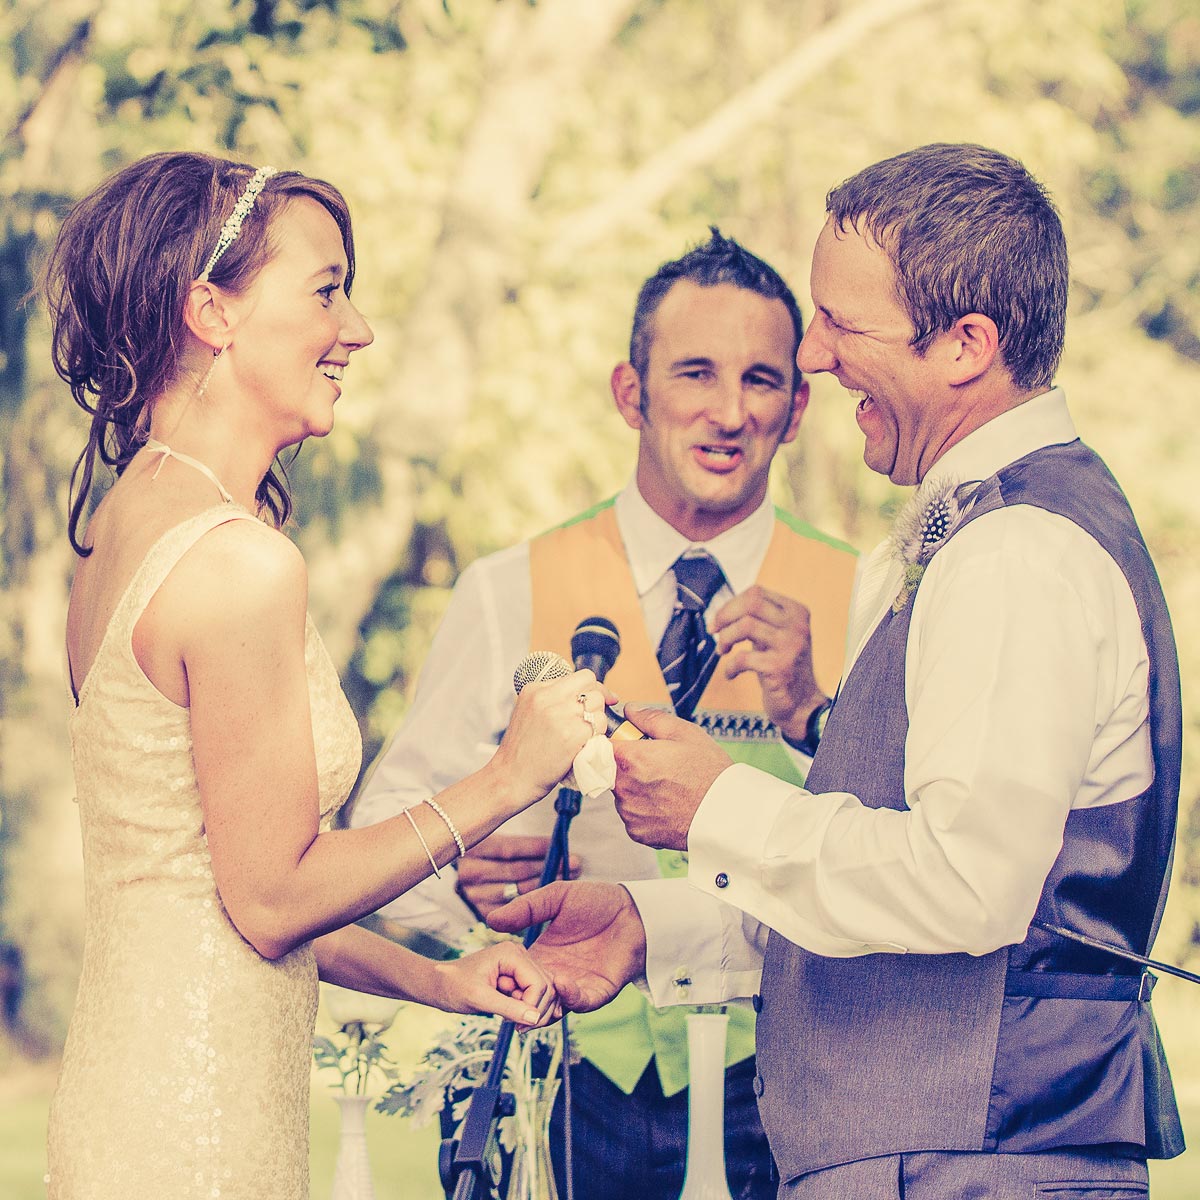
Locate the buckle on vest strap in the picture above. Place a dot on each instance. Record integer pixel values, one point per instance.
(1063, 985)
(729, 726)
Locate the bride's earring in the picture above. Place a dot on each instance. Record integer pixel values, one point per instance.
(141, 427)
(212, 366)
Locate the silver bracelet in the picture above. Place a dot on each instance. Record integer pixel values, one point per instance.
(441, 812)
(421, 837)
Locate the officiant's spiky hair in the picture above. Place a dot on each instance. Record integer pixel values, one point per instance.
(716, 261)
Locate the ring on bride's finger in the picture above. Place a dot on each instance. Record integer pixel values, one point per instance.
(511, 891)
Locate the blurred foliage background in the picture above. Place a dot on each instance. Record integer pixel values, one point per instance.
(516, 168)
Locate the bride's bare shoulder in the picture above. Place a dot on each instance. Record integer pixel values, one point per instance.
(243, 564)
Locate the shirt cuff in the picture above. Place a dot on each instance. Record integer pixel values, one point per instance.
(731, 831)
(756, 842)
(695, 953)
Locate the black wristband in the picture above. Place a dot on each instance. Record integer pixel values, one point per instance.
(812, 730)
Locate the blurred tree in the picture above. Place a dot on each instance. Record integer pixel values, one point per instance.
(516, 169)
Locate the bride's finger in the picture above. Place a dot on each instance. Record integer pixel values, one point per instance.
(541, 997)
(515, 1010)
(548, 1008)
(515, 963)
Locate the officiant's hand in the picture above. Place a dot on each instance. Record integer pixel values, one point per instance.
(770, 634)
(503, 980)
(594, 945)
(490, 870)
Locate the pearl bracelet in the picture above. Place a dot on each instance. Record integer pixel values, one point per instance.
(441, 812)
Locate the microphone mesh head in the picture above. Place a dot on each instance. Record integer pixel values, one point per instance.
(541, 664)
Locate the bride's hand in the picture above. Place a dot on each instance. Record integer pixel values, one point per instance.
(501, 979)
(548, 729)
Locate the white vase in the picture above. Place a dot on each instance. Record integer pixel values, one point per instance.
(352, 1174)
(705, 1177)
(532, 1171)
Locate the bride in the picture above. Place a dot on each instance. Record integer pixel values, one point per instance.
(202, 315)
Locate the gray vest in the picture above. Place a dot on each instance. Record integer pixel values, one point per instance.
(1034, 1047)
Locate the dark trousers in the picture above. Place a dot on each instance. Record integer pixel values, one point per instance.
(636, 1145)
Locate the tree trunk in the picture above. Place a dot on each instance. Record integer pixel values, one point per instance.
(535, 59)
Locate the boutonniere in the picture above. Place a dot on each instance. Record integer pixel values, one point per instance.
(924, 524)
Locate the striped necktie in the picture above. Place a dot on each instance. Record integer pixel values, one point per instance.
(687, 652)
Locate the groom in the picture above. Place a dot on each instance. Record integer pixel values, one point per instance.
(997, 780)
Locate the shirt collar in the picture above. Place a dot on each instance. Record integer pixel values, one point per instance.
(1040, 421)
(652, 545)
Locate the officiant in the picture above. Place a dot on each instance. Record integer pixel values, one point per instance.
(690, 560)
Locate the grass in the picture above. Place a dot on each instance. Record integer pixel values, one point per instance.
(404, 1158)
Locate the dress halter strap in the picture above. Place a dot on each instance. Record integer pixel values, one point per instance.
(157, 447)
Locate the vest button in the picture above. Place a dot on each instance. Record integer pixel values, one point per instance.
(722, 880)
(756, 1002)
(758, 1086)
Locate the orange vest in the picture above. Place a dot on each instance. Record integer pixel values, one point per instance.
(580, 570)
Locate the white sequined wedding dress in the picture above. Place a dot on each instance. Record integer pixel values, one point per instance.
(186, 1069)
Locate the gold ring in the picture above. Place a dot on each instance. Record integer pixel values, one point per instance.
(511, 891)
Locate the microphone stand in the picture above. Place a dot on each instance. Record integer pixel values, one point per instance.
(464, 1161)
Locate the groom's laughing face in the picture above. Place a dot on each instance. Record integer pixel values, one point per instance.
(862, 334)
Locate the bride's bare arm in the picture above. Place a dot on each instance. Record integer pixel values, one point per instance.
(240, 608)
(501, 979)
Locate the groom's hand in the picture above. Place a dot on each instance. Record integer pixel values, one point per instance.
(662, 778)
(594, 945)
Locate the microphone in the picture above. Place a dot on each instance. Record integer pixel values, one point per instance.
(539, 666)
(542, 665)
(595, 645)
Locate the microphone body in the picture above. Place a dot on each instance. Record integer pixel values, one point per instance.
(617, 728)
(595, 645)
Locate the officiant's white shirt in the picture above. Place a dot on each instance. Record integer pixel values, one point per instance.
(1026, 686)
(465, 697)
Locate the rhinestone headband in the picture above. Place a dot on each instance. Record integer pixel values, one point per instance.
(233, 226)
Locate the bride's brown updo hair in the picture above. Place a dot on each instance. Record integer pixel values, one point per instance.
(117, 279)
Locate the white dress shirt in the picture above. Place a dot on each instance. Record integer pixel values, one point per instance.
(465, 697)
(1026, 680)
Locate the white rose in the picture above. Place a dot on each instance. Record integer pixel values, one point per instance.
(348, 1007)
